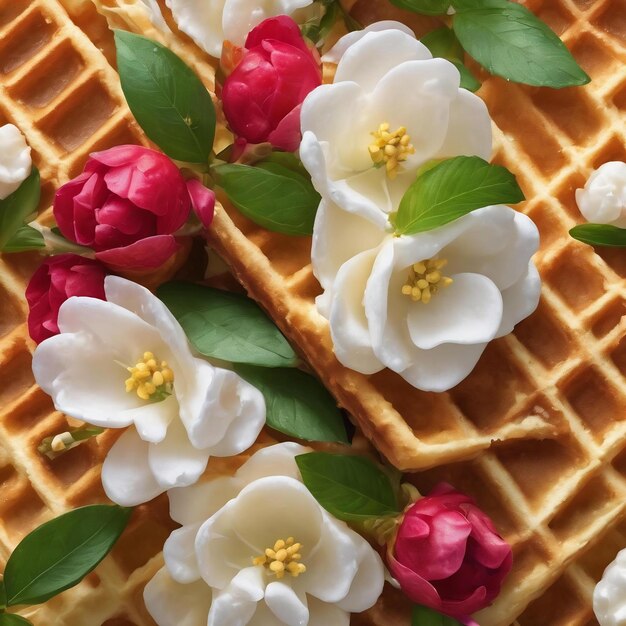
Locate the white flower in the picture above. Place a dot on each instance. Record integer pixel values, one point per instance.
(182, 408)
(210, 22)
(223, 567)
(480, 279)
(609, 596)
(391, 108)
(15, 161)
(603, 200)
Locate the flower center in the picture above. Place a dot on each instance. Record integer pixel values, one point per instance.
(149, 379)
(390, 148)
(282, 559)
(425, 280)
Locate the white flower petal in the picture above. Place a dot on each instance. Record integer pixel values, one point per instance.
(172, 604)
(126, 475)
(498, 243)
(345, 100)
(249, 583)
(469, 128)
(348, 325)
(179, 553)
(264, 617)
(469, 311)
(294, 514)
(288, 606)
(276, 460)
(175, 462)
(15, 160)
(153, 418)
(220, 552)
(333, 564)
(337, 237)
(83, 382)
(442, 367)
(520, 300)
(367, 585)
(386, 309)
(434, 84)
(202, 21)
(242, 408)
(366, 61)
(174, 346)
(230, 610)
(196, 503)
(338, 50)
(323, 614)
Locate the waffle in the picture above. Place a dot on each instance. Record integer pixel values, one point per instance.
(551, 394)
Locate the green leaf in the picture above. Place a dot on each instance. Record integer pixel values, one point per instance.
(26, 238)
(600, 235)
(297, 404)
(3, 595)
(10, 619)
(509, 41)
(424, 616)
(14, 209)
(452, 189)
(60, 553)
(443, 43)
(272, 195)
(352, 488)
(426, 7)
(226, 325)
(166, 97)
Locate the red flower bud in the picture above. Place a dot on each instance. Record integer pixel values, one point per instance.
(126, 205)
(448, 554)
(59, 278)
(263, 95)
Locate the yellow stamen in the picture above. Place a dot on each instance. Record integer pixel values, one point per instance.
(282, 559)
(390, 148)
(149, 380)
(425, 280)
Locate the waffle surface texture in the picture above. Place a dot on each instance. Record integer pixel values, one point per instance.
(553, 393)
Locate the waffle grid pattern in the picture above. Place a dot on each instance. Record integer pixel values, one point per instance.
(563, 370)
(58, 87)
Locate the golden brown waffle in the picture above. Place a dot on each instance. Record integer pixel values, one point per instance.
(560, 375)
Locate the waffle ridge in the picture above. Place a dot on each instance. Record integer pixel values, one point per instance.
(551, 395)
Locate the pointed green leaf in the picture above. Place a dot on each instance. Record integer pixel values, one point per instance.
(297, 404)
(227, 326)
(443, 43)
(26, 238)
(60, 553)
(352, 488)
(509, 41)
(166, 97)
(423, 616)
(452, 189)
(272, 195)
(600, 235)
(16, 208)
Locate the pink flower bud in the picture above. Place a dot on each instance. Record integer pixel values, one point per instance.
(263, 95)
(448, 555)
(126, 205)
(59, 278)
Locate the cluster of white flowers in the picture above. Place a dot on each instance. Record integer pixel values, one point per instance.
(257, 549)
(391, 109)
